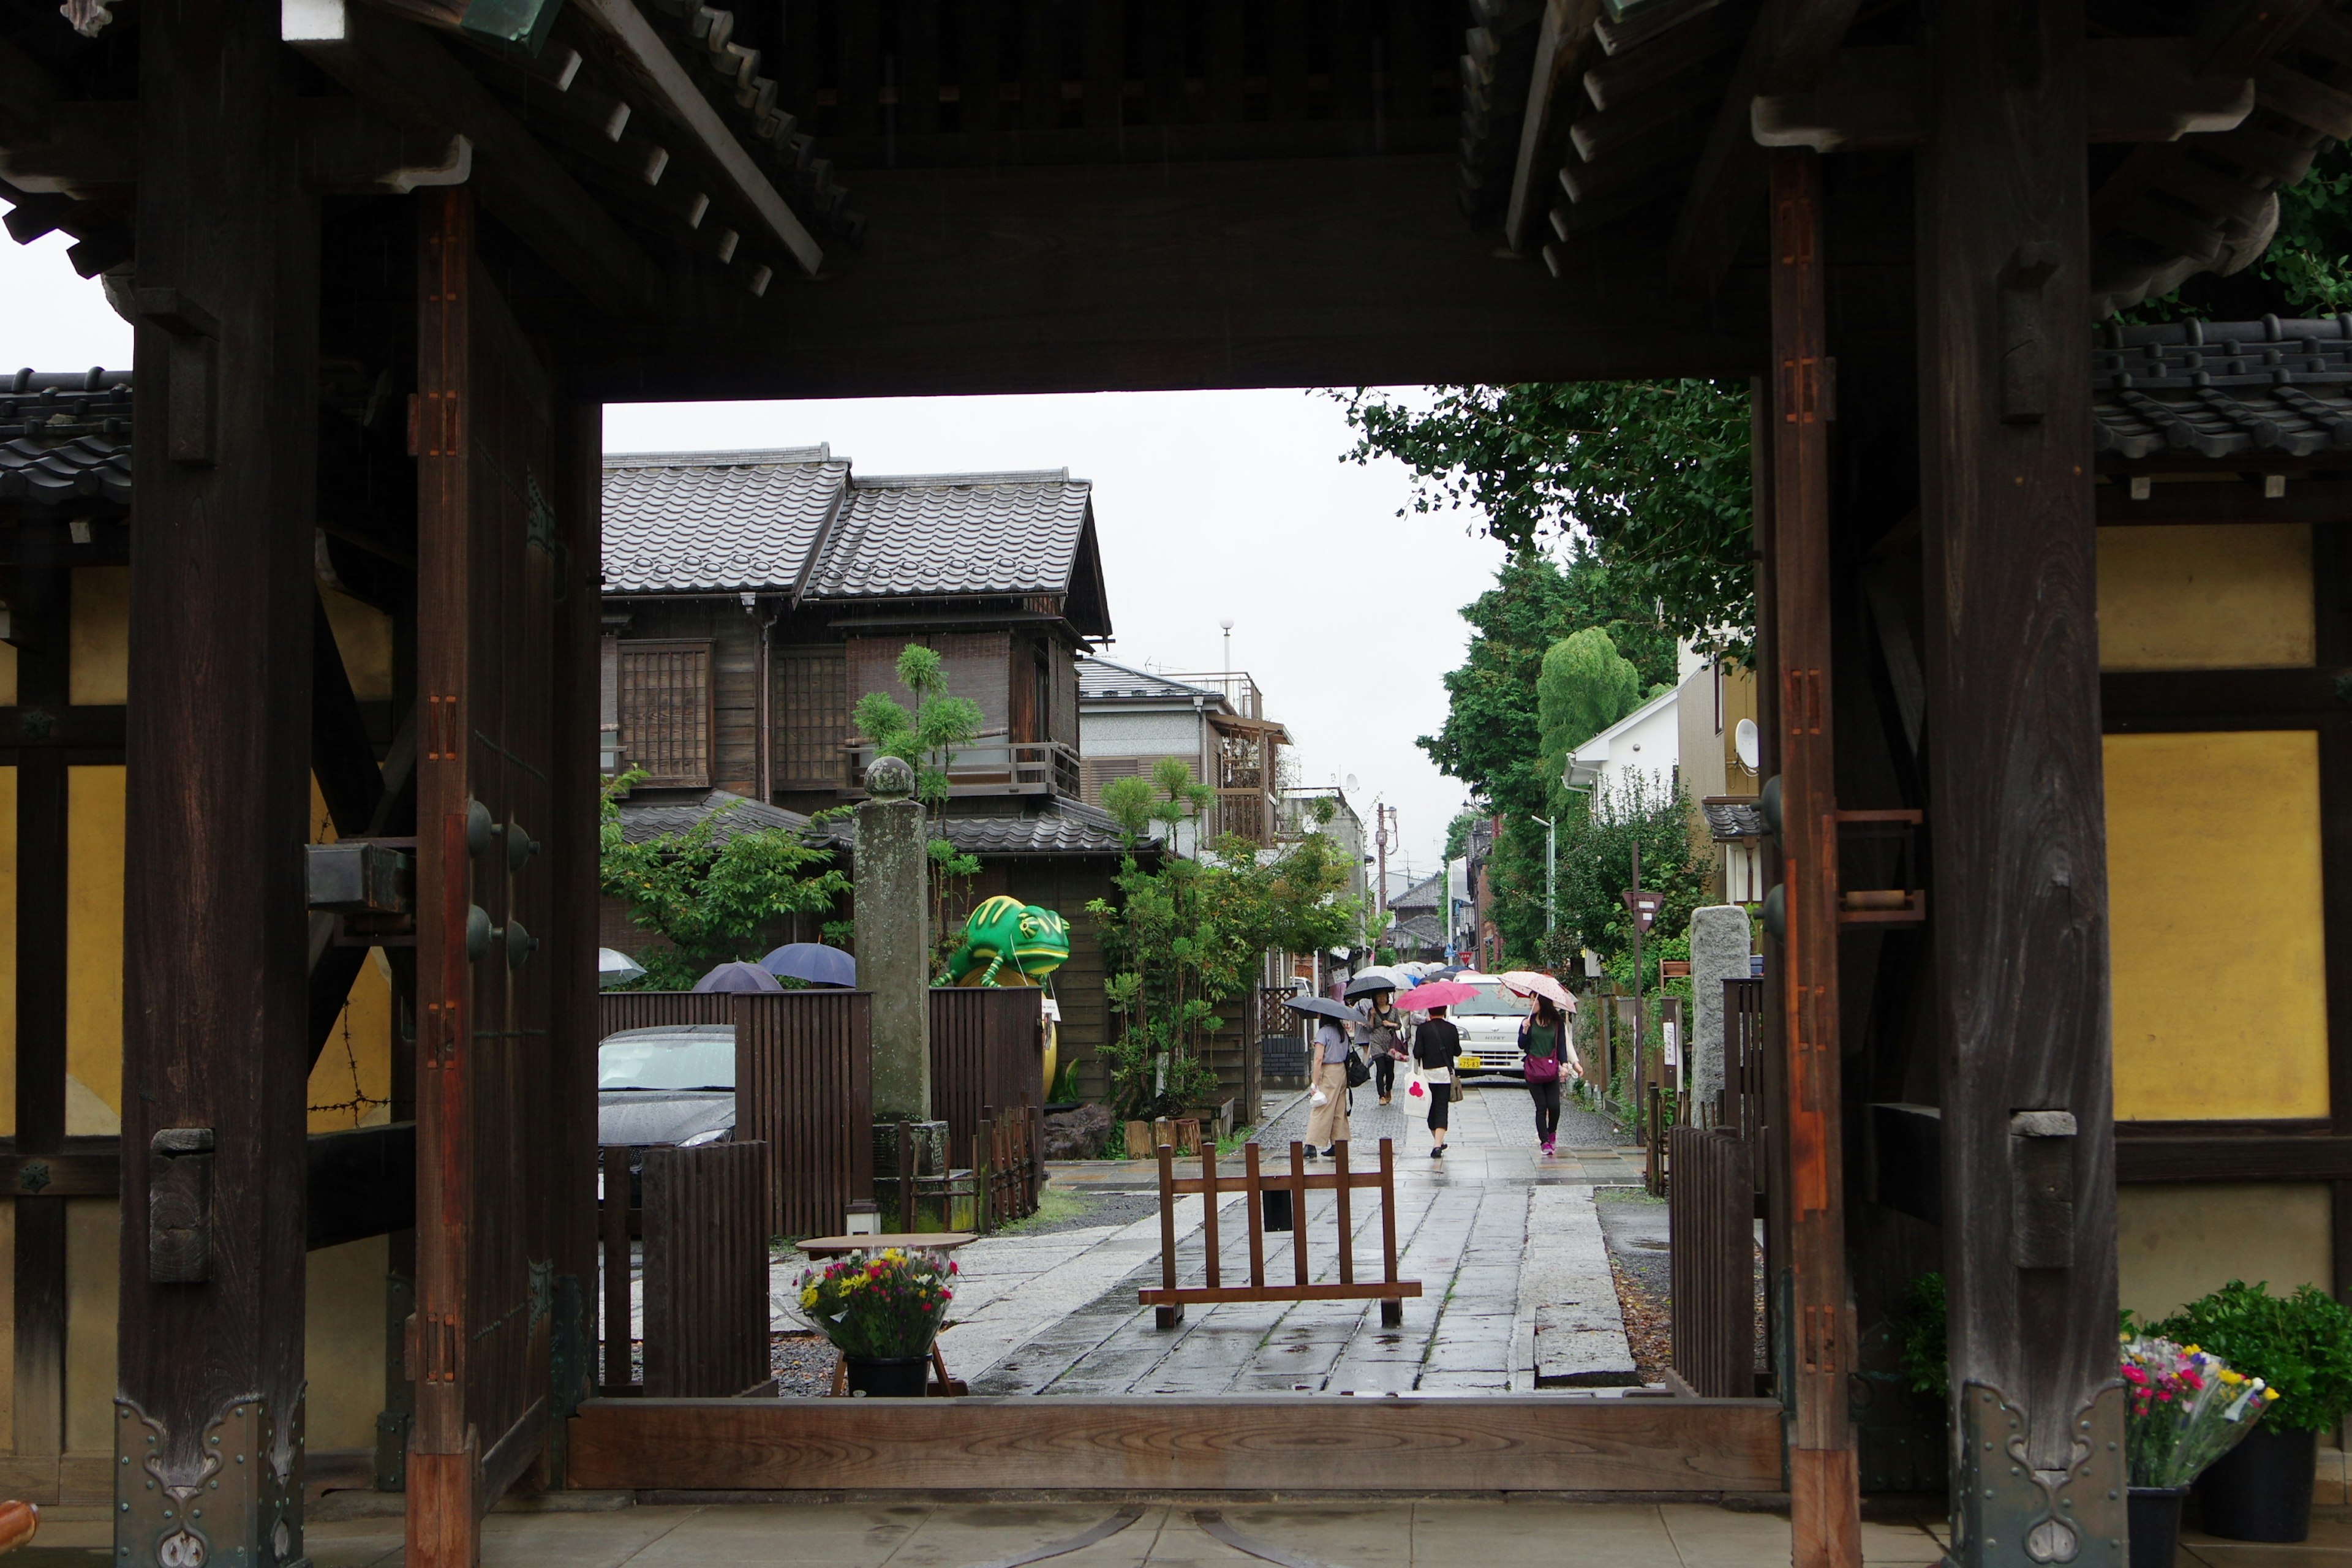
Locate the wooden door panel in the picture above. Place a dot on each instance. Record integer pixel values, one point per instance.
(487, 625)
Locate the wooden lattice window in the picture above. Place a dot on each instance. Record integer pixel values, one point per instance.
(665, 719)
(811, 717)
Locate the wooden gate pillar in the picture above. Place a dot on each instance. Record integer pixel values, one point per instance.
(2014, 789)
(1824, 1502)
(216, 1059)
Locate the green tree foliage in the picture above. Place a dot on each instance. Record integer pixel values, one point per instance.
(715, 899)
(1492, 738)
(1457, 833)
(1187, 935)
(1583, 688)
(1596, 867)
(1654, 473)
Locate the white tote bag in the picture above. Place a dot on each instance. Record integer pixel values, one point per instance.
(1416, 1097)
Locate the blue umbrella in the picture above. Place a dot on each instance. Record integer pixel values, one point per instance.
(737, 976)
(813, 961)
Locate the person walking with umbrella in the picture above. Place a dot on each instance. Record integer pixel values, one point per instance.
(1381, 1028)
(1327, 1120)
(1435, 1045)
(1545, 1050)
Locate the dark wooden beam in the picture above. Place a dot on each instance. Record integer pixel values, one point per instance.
(1560, 42)
(28, 97)
(2142, 700)
(362, 1182)
(1498, 1442)
(74, 1174)
(1788, 47)
(2141, 90)
(94, 146)
(2305, 501)
(2323, 1158)
(1825, 1495)
(210, 1343)
(2014, 770)
(404, 76)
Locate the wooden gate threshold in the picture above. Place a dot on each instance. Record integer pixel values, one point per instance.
(1229, 1443)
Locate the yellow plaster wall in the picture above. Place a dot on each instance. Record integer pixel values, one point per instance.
(2177, 1242)
(2213, 897)
(8, 957)
(94, 1267)
(363, 637)
(2230, 595)
(99, 645)
(7, 674)
(344, 1343)
(351, 1084)
(8, 1327)
(94, 951)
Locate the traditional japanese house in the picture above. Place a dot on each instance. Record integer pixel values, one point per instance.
(753, 598)
(387, 257)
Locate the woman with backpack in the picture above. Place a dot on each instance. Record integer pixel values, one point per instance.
(1544, 1052)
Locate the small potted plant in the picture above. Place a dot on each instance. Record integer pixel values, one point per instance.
(2185, 1410)
(2301, 1345)
(881, 1311)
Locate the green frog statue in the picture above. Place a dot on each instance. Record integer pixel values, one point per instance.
(1034, 942)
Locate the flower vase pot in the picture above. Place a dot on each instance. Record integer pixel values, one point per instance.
(2155, 1518)
(889, 1378)
(2261, 1490)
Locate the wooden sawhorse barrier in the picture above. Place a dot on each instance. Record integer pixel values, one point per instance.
(1169, 1300)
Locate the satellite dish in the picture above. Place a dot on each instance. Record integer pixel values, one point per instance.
(1749, 742)
(1351, 781)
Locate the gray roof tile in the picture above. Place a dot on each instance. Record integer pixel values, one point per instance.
(2221, 389)
(1100, 678)
(1068, 827)
(64, 438)
(1729, 819)
(954, 535)
(684, 523)
(738, 814)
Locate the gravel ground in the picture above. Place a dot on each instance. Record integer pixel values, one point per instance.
(1642, 1267)
(1086, 1210)
(803, 1364)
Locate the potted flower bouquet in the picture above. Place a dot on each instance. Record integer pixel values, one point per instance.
(881, 1311)
(2301, 1345)
(2185, 1409)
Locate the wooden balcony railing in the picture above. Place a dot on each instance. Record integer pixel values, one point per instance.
(988, 766)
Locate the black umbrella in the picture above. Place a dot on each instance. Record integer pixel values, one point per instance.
(1321, 1007)
(1369, 985)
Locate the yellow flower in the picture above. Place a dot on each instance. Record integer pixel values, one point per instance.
(2269, 1394)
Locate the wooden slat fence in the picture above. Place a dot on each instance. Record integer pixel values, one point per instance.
(705, 1319)
(1711, 1209)
(621, 1010)
(986, 1050)
(804, 1088)
(1007, 1155)
(706, 1272)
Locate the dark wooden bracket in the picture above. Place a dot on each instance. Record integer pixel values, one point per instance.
(2024, 348)
(191, 392)
(179, 1205)
(2041, 1189)
(1884, 906)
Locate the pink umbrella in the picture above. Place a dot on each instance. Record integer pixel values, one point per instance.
(1436, 994)
(1532, 982)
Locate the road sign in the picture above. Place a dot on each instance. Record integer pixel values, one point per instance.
(1645, 906)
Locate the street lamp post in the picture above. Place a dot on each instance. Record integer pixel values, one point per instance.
(1551, 872)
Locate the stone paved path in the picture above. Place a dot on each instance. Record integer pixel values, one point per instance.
(1464, 1231)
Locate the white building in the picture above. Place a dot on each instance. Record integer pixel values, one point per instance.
(1648, 741)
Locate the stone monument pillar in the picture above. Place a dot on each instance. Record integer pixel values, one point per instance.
(894, 940)
(1718, 952)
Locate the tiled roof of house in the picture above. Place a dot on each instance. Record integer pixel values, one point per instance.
(2221, 389)
(798, 520)
(1729, 820)
(701, 522)
(1101, 680)
(65, 438)
(954, 536)
(1066, 827)
(737, 814)
(1429, 893)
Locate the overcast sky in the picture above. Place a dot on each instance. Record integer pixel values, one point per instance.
(1211, 506)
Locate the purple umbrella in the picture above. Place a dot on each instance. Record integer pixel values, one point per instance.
(813, 961)
(739, 978)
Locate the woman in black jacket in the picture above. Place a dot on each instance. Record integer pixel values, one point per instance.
(1435, 1045)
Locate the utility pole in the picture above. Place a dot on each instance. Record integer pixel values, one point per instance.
(1552, 873)
(1644, 908)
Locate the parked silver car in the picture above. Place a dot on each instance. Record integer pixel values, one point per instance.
(673, 1083)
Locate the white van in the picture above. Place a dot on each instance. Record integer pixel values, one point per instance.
(1490, 1025)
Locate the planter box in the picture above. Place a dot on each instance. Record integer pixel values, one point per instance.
(1216, 1120)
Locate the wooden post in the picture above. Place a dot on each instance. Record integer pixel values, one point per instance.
(1346, 1216)
(1823, 1485)
(615, 1228)
(1298, 1213)
(1391, 1310)
(1169, 1316)
(1257, 1216)
(2014, 787)
(214, 1050)
(1208, 1210)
